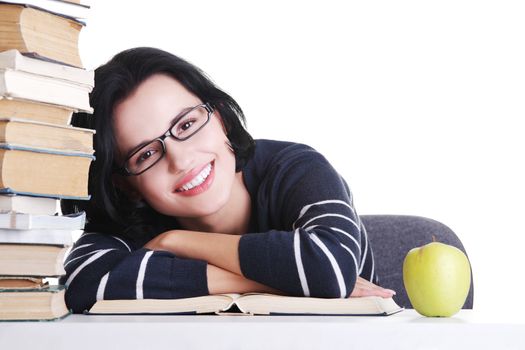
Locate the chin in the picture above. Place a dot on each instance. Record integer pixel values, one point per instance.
(210, 206)
(195, 207)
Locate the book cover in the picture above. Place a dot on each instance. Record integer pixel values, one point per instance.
(10, 191)
(67, 9)
(22, 282)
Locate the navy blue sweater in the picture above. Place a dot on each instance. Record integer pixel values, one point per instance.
(305, 238)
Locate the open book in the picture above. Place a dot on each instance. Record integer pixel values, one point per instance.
(250, 304)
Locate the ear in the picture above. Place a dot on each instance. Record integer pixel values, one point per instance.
(122, 183)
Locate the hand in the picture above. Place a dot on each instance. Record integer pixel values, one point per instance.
(365, 288)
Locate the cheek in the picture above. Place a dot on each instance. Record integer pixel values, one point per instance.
(152, 186)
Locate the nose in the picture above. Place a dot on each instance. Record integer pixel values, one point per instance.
(177, 156)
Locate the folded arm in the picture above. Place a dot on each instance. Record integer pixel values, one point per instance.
(102, 266)
(221, 253)
(319, 247)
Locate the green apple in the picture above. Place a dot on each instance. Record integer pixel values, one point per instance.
(437, 279)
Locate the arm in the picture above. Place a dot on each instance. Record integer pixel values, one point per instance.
(223, 281)
(217, 249)
(101, 266)
(316, 245)
(221, 250)
(323, 251)
(221, 253)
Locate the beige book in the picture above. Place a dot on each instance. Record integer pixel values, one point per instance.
(32, 30)
(251, 304)
(24, 132)
(33, 304)
(40, 112)
(32, 260)
(43, 172)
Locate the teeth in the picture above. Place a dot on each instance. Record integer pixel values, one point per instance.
(198, 180)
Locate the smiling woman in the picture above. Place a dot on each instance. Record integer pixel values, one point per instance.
(195, 139)
(185, 203)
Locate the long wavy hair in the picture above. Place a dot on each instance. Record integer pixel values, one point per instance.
(109, 209)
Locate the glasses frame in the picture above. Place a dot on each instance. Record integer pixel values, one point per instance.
(125, 171)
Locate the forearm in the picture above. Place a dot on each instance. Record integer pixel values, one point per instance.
(221, 281)
(220, 250)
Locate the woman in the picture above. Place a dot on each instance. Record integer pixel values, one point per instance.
(185, 203)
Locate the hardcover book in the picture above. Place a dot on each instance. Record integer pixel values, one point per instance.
(32, 260)
(39, 88)
(24, 221)
(44, 172)
(39, 236)
(40, 112)
(24, 132)
(14, 60)
(31, 30)
(28, 204)
(33, 304)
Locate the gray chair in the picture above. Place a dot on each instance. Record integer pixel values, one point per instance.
(392, 236)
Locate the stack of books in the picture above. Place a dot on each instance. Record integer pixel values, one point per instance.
(42, 157)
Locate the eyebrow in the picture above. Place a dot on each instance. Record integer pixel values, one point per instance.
(145, 142)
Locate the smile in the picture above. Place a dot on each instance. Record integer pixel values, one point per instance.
(199, 183)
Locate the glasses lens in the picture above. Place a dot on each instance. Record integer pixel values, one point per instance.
(190, 123)
(145, 157)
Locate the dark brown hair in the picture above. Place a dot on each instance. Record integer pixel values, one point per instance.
(110, 210)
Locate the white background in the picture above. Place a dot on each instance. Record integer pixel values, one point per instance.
(416, 103)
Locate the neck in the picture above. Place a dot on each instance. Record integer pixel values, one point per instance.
(237, 210)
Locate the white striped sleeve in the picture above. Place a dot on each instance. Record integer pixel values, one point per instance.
(142, 273)
(106, 267)
(299, 262)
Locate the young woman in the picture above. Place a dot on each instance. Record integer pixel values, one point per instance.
(185, 203)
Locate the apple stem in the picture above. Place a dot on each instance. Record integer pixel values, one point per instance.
(434, 238)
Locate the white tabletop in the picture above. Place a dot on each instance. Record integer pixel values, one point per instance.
(406, 330)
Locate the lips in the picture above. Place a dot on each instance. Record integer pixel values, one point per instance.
(196, 181)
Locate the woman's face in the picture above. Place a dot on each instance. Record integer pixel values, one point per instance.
(148, 113)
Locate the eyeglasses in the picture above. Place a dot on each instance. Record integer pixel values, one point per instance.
(185, 126)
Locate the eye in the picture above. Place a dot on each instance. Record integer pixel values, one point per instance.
(145, 155)
(185, 125)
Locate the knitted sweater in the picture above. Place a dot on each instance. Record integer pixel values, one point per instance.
(304, 238)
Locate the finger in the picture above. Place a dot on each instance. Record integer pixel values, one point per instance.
(367, 282)
(364, 287)
(364, 282)
(363, 292)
